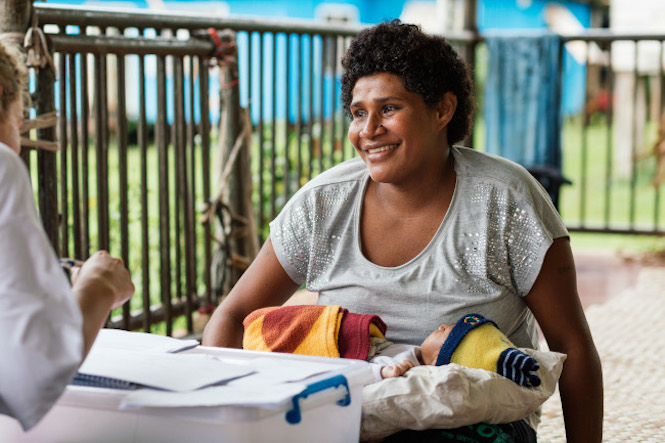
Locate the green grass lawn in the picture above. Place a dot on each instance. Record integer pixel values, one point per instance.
(600, 196)
(134, 228)
(620, 243)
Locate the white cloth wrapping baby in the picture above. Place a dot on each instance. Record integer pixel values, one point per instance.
(451, 396)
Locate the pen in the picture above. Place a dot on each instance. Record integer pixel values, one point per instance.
(69, 263)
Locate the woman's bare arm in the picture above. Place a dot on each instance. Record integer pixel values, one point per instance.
(555, 303)
(264, 283)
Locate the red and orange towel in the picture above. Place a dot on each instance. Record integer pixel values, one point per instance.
(327, 331)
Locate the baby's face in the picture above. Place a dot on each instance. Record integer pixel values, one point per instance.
(432, 344)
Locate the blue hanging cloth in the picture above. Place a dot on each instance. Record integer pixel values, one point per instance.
(521, 104)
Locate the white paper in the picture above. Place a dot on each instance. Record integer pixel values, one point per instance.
(268, 385)
(139, 341)
(278, 370)
(250, 395)
(174, 372)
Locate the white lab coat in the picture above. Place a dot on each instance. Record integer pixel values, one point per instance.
(41, 340)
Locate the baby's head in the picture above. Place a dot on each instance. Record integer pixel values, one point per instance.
(430, 348)
(477, 342)
(438, 347)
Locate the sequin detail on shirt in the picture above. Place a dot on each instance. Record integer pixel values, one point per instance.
(312, 256)
(508, 248)
(437, 286)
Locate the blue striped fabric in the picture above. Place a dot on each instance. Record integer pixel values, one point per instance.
(519, 367)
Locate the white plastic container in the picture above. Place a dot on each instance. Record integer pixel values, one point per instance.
(326, 412)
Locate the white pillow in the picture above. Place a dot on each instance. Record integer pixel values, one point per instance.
(451, 396)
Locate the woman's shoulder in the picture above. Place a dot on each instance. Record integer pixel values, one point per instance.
(476, 165)
(352, 171)
(15, 183)
(9, 163)
(330, 190)
(484, 163)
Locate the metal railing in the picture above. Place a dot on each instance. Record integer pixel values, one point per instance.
(614, 149)
(107, 191)
(131, 175)
(138, 149)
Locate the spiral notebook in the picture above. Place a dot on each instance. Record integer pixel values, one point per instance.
(98, 381)
(130, 360)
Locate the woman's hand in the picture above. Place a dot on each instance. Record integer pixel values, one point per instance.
(396, 370)
(101, 284)
(104, 276)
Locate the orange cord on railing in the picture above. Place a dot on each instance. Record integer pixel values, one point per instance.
(225, 53)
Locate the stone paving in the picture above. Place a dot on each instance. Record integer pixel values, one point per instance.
(629, 334)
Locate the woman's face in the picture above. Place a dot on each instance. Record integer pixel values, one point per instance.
(395, 132)
(10, 128)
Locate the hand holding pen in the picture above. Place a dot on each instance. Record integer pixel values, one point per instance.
(99, 285)
(102, 274)
(69, 263)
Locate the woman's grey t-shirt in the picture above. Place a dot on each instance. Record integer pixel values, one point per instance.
(483, 259)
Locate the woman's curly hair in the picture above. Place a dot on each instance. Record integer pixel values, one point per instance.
(12, 77)
(428, 65)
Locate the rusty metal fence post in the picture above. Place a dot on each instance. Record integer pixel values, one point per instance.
(236, 227)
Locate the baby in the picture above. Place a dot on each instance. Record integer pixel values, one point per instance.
(473, 341)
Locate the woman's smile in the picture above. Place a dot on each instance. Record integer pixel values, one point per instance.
(381, 149)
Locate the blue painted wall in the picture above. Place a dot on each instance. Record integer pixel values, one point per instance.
(502, 14)
(370, 11)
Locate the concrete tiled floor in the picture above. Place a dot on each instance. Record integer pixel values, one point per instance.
(602, 275)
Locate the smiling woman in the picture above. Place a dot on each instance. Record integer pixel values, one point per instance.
(420, 232)
(403, 143)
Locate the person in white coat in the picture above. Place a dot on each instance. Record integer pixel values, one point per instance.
(47, 326)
